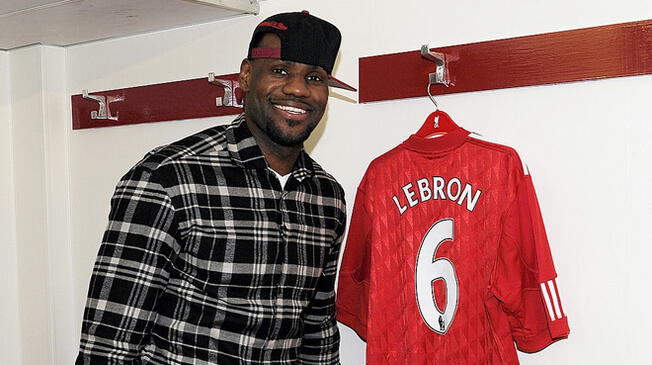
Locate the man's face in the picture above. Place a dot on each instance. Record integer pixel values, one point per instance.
(285, 100)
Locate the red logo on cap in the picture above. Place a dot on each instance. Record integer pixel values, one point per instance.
(276, 25)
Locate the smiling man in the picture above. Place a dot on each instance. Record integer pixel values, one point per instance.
(222, 247)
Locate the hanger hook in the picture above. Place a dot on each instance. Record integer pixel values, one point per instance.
(432, 98)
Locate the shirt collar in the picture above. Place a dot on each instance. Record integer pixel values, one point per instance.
(245, 151)
(304, 167)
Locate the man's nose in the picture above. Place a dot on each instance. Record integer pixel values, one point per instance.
(297, 86)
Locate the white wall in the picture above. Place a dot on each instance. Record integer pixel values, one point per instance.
(56, 127)
(36, 277)
(9, 322)
(586, 144)
(31, 227)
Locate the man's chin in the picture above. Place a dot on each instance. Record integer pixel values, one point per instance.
(288, 141)
(290, 138)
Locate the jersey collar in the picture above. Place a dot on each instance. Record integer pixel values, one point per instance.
(444, 143)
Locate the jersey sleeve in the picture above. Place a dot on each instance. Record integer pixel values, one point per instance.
(524, 279)
(353, 286)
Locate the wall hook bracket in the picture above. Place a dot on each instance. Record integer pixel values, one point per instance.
(440, 76)
(104, 112)
(231, 87)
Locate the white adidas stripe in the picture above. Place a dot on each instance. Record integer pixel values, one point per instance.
(551, 297)
(555, 299)
(546, 298)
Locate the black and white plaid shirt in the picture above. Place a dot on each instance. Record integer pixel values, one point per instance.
(207, 260)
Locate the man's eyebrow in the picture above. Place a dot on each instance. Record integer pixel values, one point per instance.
(317, 68)
(312, 68)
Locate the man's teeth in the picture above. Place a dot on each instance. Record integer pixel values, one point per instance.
(290, 109)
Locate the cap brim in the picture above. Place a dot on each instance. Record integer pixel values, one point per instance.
(333, 82)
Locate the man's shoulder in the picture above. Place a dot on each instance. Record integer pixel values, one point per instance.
(320, 172)
(326, 177)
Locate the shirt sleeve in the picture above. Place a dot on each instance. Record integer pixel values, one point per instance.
(130, 272)
(524, 280)
(321, 337)
(353, 285)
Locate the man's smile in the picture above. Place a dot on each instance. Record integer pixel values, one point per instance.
(290, 109)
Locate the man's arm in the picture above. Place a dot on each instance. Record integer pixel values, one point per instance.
(321, 337)
(130, 272)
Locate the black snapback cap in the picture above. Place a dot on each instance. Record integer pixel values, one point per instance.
(304, 38)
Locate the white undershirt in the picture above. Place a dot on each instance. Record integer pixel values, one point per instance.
(281, 179)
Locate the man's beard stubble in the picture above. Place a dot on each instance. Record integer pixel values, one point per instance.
(285, 140)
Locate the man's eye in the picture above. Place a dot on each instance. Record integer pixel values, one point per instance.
(315, 78)
(279, 71)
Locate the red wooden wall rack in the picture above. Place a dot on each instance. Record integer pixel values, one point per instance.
(591, 53)
(584, 54)
(196, 98)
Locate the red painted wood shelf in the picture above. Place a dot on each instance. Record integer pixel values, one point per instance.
(187, 99)
(583, 54)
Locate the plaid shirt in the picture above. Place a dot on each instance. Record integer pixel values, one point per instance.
(207, 260)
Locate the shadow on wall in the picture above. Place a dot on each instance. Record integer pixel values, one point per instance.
(316, 135)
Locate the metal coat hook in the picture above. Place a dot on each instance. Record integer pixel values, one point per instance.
(230, 86)
(104, 113)
(440, 76)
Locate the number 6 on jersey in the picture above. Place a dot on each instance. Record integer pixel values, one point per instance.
(429, 270)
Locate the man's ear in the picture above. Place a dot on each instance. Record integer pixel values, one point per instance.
(245, 75)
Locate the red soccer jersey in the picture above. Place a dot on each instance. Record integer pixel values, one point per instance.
(447, 260)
